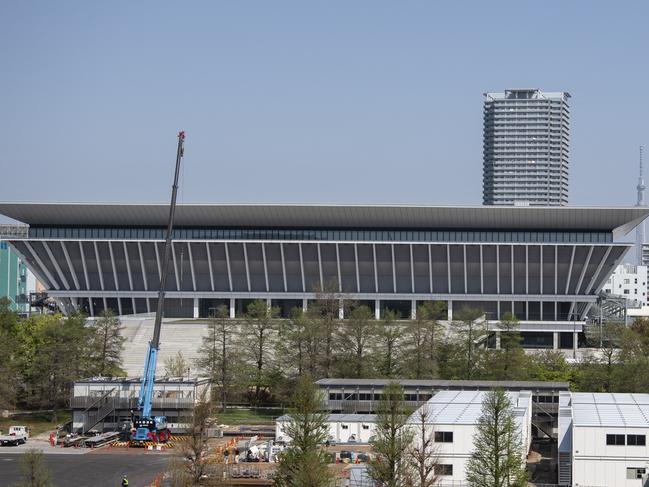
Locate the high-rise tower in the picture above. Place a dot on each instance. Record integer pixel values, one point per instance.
(526, 148)
(639, 231)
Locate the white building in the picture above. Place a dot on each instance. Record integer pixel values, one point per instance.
(343, 428)
(602, 439)
(104, 403)
(454, 415)
(628, 281)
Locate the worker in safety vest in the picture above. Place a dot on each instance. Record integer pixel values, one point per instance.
(124, 481)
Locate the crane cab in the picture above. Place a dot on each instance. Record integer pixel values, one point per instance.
(150, 430)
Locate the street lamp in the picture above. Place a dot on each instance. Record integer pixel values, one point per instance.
(574, 337)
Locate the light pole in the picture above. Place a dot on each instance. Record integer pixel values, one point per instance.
(574, 337)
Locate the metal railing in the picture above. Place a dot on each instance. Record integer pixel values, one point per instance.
(13, 231)
(127, 403)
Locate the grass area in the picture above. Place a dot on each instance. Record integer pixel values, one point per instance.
(236, 416)
(37, 422)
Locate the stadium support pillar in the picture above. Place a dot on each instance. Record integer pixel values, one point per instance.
(195, 308)
(305, 305)
(450, 310)
(555, 340)
(575, 338)
(231, 307)
(413, 309)
(497, 340)
(341, 309)
(377, 309)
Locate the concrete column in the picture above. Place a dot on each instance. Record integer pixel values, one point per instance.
(377, 309)
(341, 310)
(305, 305)
(497, 340)
(269, 304)
(195, 308)
(555, 340)
(574, 340)
(232, 308)
(450, 310)
(413, 309)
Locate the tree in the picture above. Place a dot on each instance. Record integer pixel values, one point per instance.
(325, 311)
(498, 456)
(9, 369)
(60, 356)
(354, 338)
(508, 362)
(304, 463)
(176, 365)
(389, 335)
(217, 355)
(633, 357)
(423, 337)
(106, 345)
(393, 436)
(257, 341)
(423, 455)
(34, 473)
(194, 449)
(469, 334)
(550, 365)
(600, 372)
(299, 342)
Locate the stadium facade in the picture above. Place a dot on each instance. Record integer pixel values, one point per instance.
(545, 264)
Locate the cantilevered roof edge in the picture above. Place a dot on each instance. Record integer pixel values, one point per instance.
(619, 220)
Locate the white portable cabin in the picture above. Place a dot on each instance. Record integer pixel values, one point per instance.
(342, 428)
(452, 417)
(608, 440)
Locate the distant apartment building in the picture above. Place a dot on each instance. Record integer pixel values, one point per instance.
(16, 281)
(644, 257)
(628, 281)
(526, 148)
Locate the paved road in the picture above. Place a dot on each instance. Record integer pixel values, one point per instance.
(96, 469)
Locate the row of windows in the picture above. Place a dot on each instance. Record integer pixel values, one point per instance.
(306, 234)
(631, 440)
(339, 396)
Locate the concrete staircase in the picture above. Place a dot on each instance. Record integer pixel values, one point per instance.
(176, 335)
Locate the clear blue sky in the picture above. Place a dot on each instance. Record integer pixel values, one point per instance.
(337, 101)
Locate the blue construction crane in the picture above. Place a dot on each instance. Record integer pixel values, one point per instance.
(147, 428)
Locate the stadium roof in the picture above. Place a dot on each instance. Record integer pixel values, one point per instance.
(610, 410)
(618, 220)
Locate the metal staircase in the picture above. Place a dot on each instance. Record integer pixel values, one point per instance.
(98, 410)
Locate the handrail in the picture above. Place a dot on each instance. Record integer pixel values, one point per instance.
(101, 398)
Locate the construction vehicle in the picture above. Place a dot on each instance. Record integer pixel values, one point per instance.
(145, 428)
(17, 435)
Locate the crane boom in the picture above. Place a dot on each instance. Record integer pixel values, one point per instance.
(146, 388)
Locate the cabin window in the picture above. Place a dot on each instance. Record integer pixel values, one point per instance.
(443, 437)
(636, 440)
(617, 440)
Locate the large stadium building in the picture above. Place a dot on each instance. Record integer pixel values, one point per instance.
(545, 264)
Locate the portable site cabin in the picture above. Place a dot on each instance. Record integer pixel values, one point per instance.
(604, 440)
(342, 428)
(105, 403)
(452, 417)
